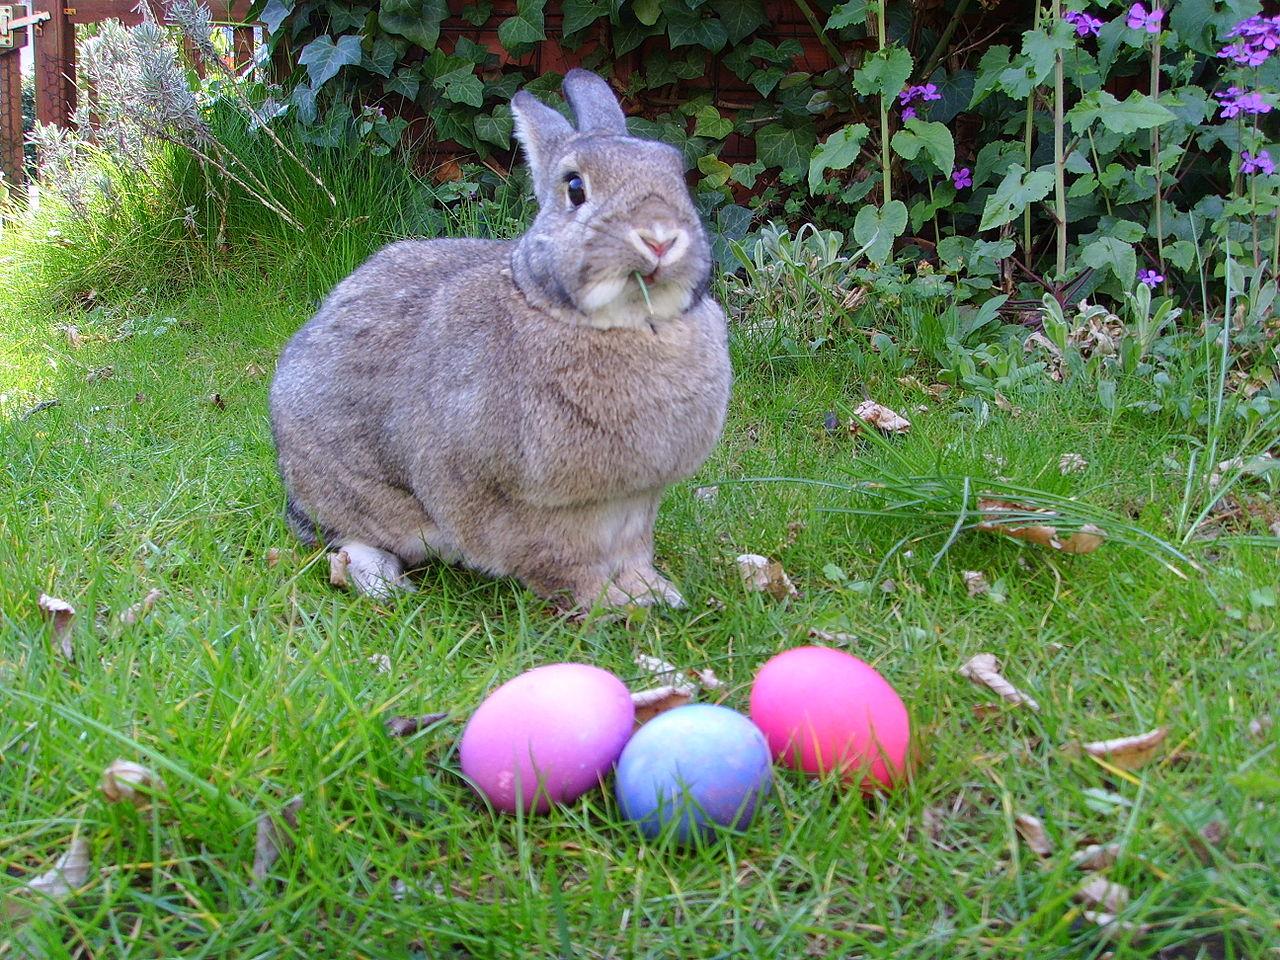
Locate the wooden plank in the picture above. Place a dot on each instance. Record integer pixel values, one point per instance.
(95, 11)
(11, 158)
(55, 54)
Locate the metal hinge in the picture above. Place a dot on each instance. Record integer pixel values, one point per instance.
(14, 17)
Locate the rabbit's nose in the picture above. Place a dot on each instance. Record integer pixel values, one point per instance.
(659, 238)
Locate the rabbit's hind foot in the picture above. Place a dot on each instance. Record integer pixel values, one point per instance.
(374, 573)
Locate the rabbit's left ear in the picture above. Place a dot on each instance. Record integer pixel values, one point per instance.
(540, 130)
(594, 106)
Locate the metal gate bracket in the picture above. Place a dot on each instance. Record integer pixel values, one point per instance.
(14, 17)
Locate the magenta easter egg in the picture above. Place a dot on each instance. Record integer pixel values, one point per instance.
(547, 736)
(823, 710)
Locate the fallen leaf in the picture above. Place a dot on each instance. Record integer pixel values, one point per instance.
(74, 340)
(984, 669)
(255, 369)
(650, 703)
(398, 726)
(60, 615)
(101, 373)
(1213, 832)
(762, 575)
(832, 636)
(139, 610)
(1085, 540)
(1033, 832)
(447, 171)
(217, 401)
(1100, 892)
(1110, 923)
(707, 677)
(381, 662)
(338, 563)
(707, 494)
(70, 872)
(272, 838)
(1096, 856)
(1260, 726)
(273, 557)
(121, 781)
(975, 582)
(1128, 753)
(880, 416)
(139, 398)
(1071, 463)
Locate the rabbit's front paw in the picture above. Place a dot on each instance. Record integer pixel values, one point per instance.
(375, 573)
(647, 587)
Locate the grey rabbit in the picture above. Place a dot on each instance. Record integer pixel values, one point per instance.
(517, 406)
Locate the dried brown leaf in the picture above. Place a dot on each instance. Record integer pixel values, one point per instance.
(1096, 856)
(70, 872)
(339, 561)
(74, 340)
(275, 834)
(707, 494)
(1085, 540)
(833, 637)
(762, 575)
(881, 417)
(1033, 832)
(1109, 923)
(101, 373)
(1071, 463)
(650, 703)
(215, 399)
(975, 582)
(123, 778)
(1214, 832)
(1128, 753)
(255, 370)
(984, 668)
(272, 557)
(60, 615)
(139, 610)
(1097, 891)
(381, 662)
(398, 726)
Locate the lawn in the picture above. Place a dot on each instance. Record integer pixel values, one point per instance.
(252, 680)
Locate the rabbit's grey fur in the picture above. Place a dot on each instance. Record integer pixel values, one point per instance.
(516, 406)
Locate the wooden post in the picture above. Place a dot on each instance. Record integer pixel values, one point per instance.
(11, 157)
(55, 64)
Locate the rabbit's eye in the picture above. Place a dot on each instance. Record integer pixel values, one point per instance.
(577, 190)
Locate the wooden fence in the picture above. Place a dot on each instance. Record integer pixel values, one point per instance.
(50, 27)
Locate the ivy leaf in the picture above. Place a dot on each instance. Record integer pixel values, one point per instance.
(452, 124)
(647, 11)
(711, 124)
(416, 20)
(875, 229)
(527, 26)
(778, 145)
(580, 14)
(382, 59)
(741, 18)
(1016, 190)
(461, 86)
(1138, 112)
(715, 172)
(956, 90)
(405, 82)
(848, 14)
(323, 58)
(933, 137)
(275, 13)
(766, 79)
(1114, 255)
(343, 18)
(690, 29)
(884, 73)
(836, 153)
(477, 14)
(627, 36)
(746, 173)
(495, 128)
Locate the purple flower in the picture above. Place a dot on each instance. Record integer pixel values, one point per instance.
(1256, 39)
(1257, 163)
(962, 178)
(927, 91)
(1236, 101)
(908, 113)
(1083, 23)
(1140, 19)
(1150, 278)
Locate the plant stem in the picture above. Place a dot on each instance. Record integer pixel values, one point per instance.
(1059, 158)
(884, 111)
(1026, 145)
(820, 33)
(1155, 150)
(939, 48)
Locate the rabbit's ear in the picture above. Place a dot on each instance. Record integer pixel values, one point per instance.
(540, 129)
(594, 105)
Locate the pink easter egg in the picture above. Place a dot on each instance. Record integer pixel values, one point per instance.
(823, 710)
(547, 736)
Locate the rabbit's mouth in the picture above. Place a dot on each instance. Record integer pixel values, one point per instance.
(652, 275)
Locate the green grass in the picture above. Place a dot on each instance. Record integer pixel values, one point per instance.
(251, 682)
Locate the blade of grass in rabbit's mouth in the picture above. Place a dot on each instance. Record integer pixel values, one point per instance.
(644, 288)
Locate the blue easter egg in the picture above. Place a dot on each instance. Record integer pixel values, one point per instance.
(701, 765)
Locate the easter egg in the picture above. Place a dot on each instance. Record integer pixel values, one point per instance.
(823, 710)
(547, 736)
(701, 766)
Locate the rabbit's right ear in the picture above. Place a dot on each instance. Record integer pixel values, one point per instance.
(540, 130)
